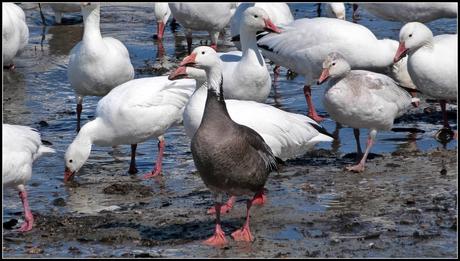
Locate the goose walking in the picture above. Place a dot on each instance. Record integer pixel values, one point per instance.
(96, 64)
(361, 99)
(231, 158)
(21, 146)
(131, 113)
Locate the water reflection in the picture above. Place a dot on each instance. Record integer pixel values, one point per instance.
(62, 39)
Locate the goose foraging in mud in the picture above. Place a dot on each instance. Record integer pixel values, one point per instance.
(131, 113)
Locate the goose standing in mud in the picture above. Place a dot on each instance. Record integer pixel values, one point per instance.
(231, 158)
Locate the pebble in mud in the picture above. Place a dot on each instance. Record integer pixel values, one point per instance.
(59, 202)
(34, 250)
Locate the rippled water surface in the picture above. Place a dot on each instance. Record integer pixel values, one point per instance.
(38, 94)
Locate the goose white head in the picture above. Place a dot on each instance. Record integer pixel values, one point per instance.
(189, 72)
(77, 153)
(206, 58)
(162, 13)
(334, 66)
(411, 37)
(87, 8)
(256, 19)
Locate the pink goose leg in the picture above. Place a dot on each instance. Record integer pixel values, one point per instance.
(244, 233)
(225, 208)
(218, 239)
(29, 218)
(370, 141)
(311, 108)
(157, 170)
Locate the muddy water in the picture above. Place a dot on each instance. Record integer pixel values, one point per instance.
(403, 205)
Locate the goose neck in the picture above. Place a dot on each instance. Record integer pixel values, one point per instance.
(214, 78)
(92, 29)
(249, 46)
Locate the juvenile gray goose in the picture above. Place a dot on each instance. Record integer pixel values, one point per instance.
(231, 158)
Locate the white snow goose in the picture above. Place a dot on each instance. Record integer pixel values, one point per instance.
(432, 63)
(289, 135)
(131, 113)
(96, 64)
(15, 33)
(231, 158)
(21, 146)
(304, 44)
(245, 73)
(361, 99)
(210, 17)
(411, 12)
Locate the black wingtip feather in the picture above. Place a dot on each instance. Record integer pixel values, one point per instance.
(321, 129)
(265, 47)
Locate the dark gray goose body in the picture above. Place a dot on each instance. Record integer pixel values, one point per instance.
(230, 158)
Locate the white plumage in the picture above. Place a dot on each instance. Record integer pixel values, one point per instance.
(289, 135)
(131, 113)
(432, 62)
(335, 10)
(21, 146)
(96, 64)
(15, 33)
(304, 44)
(279, 13)
(210, 17)
(361, 99)
(410, 12)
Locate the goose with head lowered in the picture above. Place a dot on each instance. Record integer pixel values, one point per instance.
(230, 158)
(131, 113)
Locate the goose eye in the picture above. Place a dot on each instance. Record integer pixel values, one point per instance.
(256, 16)
(410, 35)
(70, 161)
(202, 52)
(333, 64)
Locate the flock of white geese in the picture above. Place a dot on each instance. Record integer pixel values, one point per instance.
(237, 139)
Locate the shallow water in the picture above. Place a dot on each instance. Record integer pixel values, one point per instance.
(38, 94)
